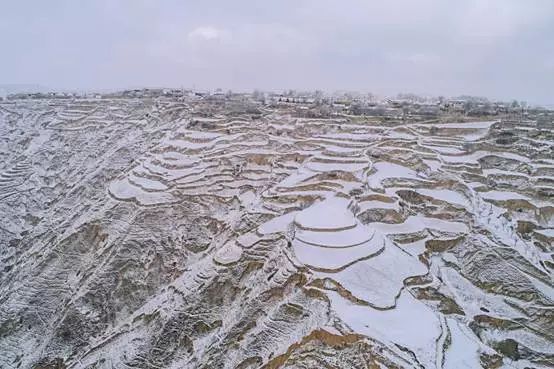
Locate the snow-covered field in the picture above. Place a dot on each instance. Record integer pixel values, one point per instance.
(170, 234)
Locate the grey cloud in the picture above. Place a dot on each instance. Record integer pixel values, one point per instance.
(499, 48)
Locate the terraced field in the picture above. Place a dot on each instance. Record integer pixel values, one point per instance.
(141, 233)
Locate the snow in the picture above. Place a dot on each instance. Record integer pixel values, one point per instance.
(548, 233)
(190, 181)
(415, 248)
(411, 324)
(451, 150)
(202, 135)
(418, 223)
(334, 258)
(467, 125)
(295, 179)
(389, 170)
(464, 348)
(277, 224)
(471, 299)
(329, 214)
(375, 204)
(146, 184)
(124, 190)
(474, 157)
(449, 196)
(178, 159)
(357, 235)
(379, 279)
(434, 165)
(511, 195)
(503, 195)
(330, 166)
(228, 254)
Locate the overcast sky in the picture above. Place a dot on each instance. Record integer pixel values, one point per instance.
(496, 48)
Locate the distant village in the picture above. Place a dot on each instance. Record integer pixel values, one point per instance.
(318, 104)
